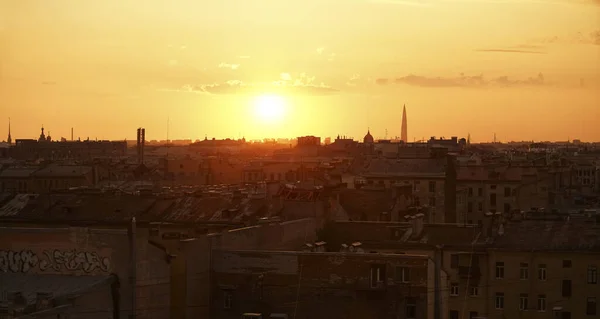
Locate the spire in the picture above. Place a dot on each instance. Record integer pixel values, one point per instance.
(9, 139)
(42, 136)
(404, 133)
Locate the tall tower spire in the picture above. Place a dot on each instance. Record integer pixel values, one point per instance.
(9, 139)
(404, 134)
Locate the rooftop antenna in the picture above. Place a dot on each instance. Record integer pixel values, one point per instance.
(168, 144)
(71, 134)
(386, 133)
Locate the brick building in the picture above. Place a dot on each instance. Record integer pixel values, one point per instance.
(322, 285)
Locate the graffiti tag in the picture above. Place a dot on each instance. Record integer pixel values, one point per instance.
(57, 260)
(17, 261)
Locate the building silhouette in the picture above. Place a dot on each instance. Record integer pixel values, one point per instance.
(404, 134)
(9, 139)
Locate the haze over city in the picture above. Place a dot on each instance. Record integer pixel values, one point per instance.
(525, 70)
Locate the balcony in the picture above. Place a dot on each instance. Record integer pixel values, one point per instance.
(473, 272)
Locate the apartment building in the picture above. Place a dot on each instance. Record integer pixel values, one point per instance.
(545, 269)
(276, 284)
(512, 266)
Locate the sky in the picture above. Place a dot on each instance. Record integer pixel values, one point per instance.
(522, 69)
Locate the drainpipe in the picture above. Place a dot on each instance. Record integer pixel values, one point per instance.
(133, 270)
(116, 297)
(437, 259)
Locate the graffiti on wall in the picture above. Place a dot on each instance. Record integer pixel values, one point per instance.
(52, 260)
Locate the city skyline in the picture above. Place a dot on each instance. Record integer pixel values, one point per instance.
(110, 67)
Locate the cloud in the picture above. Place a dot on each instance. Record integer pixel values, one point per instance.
(510, 51)
(590, 37)
(462, 81)
(287, 84)
(224, 65)
(285, 77)
(415, 3)
(330, 56)
(352, 81)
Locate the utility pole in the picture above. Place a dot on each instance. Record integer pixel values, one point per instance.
(133, 269)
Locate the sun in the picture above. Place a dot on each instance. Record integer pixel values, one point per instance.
(270, 108)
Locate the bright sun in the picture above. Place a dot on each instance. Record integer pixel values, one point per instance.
(270, 108)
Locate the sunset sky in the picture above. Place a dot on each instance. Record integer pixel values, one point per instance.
(523, 69)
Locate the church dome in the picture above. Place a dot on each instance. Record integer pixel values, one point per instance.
(368, 139)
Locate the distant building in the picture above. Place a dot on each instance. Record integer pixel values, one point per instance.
(368, 139)
(45, 148)
(304, 141)
(404, 133)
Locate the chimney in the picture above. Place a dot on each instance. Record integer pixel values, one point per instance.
(16, 303)
(418, 220)
(43, 301)
(412, 221)
(488, 221)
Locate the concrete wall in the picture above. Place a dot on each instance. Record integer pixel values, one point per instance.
(316, 285)
(91, 252)
(283, 236)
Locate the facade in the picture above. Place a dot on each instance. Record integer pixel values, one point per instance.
(322, 285)
(81, 273)
(30, 149)
(510, 267)
(46, 179)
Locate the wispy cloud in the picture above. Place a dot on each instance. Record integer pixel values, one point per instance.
(224, 65)
(353, 80)
(330, 56)
(590, 37)
(462, 81)
(414, 3)
(510, 51)
(286, 84)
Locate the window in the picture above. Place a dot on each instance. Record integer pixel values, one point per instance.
(454, 258)
(567, 264)
(524, 271)
(470, 191)
(591, 307)
(473, 314)
(411, 308)
(453, 289)
(506, 208)
(542, 272)
(432, 187)
(402, 274)
(474, 291)
(492, 199)
(377, 275)
(480, 206)
(499, 300)
(499, 270)
(566, 288)
(480, 192)
(592, 275)
(469, 207)
(453, 314)
(432, 201)
(523, 301)
(541, 303)
(507, 192)
(227, 297)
